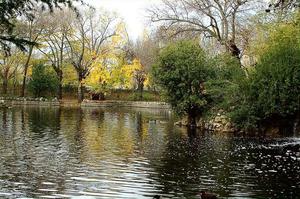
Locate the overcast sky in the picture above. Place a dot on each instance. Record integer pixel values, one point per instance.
(132, 11)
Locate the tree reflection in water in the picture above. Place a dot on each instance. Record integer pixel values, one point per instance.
(115, 153)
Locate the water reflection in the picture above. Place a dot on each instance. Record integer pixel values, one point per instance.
(126, 153)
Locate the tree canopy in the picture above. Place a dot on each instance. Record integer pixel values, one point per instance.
(181, 70)
(272, 91)
(11, 9)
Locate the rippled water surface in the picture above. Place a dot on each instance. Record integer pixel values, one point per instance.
(127, 153)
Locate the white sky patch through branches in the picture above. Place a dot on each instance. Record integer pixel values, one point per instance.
(132, 11)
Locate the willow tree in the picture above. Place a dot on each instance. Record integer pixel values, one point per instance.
(88, 42)
(216, 19)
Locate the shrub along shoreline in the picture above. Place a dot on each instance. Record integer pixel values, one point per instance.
(261, 98)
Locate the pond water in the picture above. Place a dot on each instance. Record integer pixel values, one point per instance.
(131, 153)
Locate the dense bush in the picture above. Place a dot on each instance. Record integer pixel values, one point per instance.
(272, 91)
(182, 70)
(227, 76)
(267, 94)
(43, 81)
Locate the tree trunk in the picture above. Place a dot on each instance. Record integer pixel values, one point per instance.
(141, 89)
(25, 72)
(232, 48)
(4, 86)
(60, 77)
(191, 120)
(80, 94)
(24, 83)
(60, 90)
(192, 114)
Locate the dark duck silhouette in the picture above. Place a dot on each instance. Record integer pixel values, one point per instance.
(207, 195)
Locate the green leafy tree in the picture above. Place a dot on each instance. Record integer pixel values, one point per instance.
(43, 80)
(272, 91)
(182, 70)
(228, 74)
